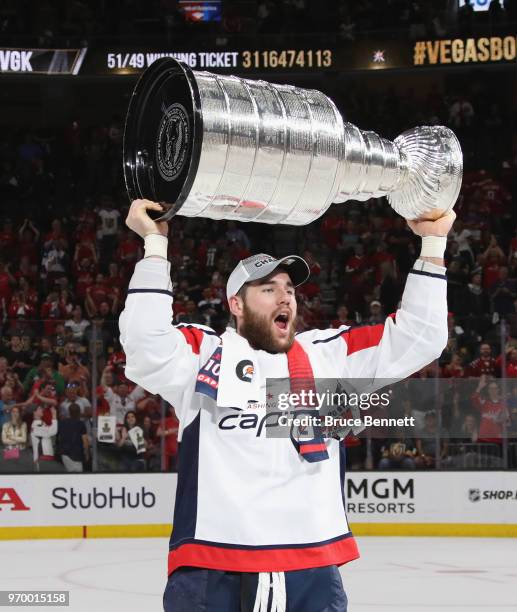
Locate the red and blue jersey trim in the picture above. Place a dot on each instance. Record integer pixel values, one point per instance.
(279, 558)
(207, 381)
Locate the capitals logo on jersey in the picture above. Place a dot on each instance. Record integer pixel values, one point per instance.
(207, 381)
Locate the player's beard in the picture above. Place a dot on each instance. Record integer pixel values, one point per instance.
(259, 332)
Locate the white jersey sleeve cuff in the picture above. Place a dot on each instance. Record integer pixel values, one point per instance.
(152, 273)
(427, 266)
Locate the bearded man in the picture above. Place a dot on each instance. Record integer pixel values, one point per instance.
(259, 521)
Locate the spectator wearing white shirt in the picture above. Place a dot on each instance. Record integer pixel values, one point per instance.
(14, 431)
(108, 226)
(42, 436)
(72, 397)
(77, 323)
(463, 237)
(120, 400)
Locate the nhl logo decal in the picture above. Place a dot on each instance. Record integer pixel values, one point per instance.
(474, 495)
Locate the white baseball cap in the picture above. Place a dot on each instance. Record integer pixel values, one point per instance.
(261, 265)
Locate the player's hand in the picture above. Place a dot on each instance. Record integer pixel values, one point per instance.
(141, 223)
(440, 227)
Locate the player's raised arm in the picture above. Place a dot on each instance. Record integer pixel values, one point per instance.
(161, 358)
(417, 333)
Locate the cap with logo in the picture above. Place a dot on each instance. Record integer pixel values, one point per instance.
(261, 265)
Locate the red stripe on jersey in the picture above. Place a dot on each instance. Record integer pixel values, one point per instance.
(359, 338)
(272, 560)
(312, 448)
(301, 375)
(193, 336)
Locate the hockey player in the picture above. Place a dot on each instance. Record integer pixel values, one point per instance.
(259, 521)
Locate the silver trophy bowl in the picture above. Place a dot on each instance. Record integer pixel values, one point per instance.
(222, 147)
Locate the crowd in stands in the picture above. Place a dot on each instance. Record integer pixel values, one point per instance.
(66, 259)
(49, 23)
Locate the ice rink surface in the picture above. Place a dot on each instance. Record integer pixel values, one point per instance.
(406, 574)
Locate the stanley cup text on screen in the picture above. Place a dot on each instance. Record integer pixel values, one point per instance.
(229, 148)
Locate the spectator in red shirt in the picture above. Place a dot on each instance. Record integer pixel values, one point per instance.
(85, 231)
(492, 260)
(43, 395)
(28, 236)
(511, 363)
(491, 271)
(7, 239)
(85, 248)
(487, 400)
(84, 274)
(495, 199)
(26, 270)
(356, 262)
(314, 266)
(342, 317)
(332, 227)
(360, 292)
(95, 294)
(117, 361)
(382, 262)
(150, 406)
(7, 281)
(31, 295)
(51, 312)
(108, 380)
(129, 251)
(455, 368)
(209, 306)
(20, 307)
(114, 277)
(484, 364)
(318, 312)
(169, 430)
(309, 289)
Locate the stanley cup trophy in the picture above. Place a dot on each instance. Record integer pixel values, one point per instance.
(222, 147)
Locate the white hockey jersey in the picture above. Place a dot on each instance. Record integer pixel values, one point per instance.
(247, 502)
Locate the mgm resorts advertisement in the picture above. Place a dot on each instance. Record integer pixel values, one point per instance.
(339, 56)
(452, 503)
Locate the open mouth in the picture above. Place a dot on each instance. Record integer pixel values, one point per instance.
(282, 320)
